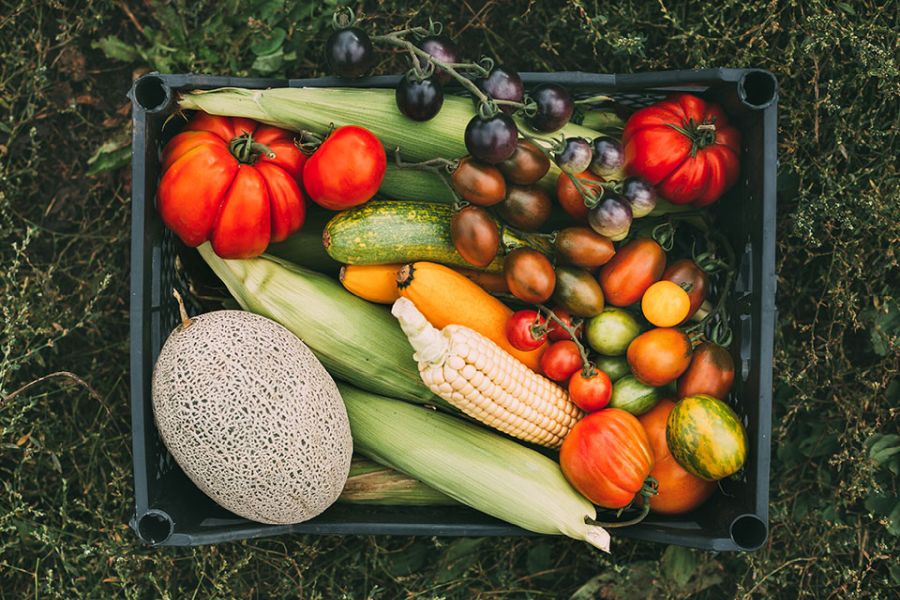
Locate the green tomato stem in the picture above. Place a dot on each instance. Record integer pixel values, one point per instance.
(396, 39)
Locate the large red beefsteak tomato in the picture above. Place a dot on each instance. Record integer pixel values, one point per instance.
(685, 147)
(233, 182)
(607, 457)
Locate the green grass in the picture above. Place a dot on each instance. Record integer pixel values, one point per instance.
(65, 474)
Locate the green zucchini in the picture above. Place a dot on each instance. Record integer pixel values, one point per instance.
(393, 231)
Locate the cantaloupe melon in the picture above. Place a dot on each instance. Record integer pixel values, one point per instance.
(252, 417)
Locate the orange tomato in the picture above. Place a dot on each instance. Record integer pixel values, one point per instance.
(665, 304)
(678, 491)
(659, 356)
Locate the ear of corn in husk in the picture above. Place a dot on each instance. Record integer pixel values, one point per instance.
(319, 109)
(487, 383)
(357, 341)
(472, 465)
(371, 483)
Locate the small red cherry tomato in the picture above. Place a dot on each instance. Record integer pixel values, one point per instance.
(557, 333)
(526, 330)
(561, 360)
(590, 392)
(346, 170)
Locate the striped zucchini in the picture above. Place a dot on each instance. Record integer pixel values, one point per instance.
(357, 341)
(393, 231)
(706, 437)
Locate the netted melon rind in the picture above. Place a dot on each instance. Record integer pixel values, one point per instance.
(252, 417)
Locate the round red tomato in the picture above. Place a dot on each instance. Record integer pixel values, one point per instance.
(607, 457)
(233, 182)
(685, 147)
(561, 360)
(346, 170)
(557, 333)
(635, 267)
(526, 330)
(590, 392)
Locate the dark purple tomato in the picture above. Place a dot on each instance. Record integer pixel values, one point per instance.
(443, 49)
(419, 100)
(554, 107)
(491, 140)
(349, 52)
(640, 196)
(575, 155)
(503, 83)
(609, 157)
(611, 217)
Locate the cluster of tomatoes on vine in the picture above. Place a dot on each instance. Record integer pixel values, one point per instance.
(492, 136)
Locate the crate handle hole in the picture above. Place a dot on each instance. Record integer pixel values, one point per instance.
(155, 527)
(151, 93)
(749, 532)
(758, 89)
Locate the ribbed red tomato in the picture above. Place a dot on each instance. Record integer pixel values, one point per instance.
(346, 170)
(231, 181)
(607, 457)
(685, 147)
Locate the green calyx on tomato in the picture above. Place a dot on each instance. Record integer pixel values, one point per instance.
(246, 150)
(700, 134)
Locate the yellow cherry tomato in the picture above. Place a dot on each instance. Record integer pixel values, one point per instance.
(665, 304)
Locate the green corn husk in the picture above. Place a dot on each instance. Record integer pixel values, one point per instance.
(318, 109)
(305, 248)
(412, 184)
(371, 483)
(470, 464)
(605, 121)
(357, 341)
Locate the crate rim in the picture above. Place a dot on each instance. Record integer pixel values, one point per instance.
(153, 94)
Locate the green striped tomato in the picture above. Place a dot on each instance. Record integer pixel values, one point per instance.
(706, 437)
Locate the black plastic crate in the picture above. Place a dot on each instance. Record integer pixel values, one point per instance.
(170, 510)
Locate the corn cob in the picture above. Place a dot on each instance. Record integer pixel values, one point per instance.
(479, 378)
(472, 465)
(371, 483)
(356, 341)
